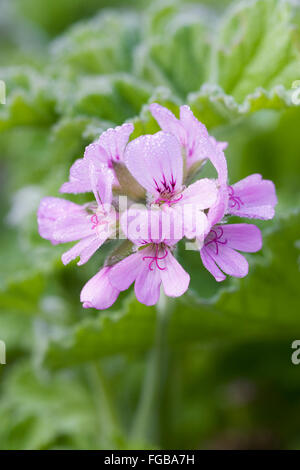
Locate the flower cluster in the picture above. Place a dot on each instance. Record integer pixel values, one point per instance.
(163, 206)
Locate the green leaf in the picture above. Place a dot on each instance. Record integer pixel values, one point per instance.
(109, 333)
(257, 47)
(112, 98)
(176, 54)
(37, 411)
(214, 107)
(102, 45)
(30, 99)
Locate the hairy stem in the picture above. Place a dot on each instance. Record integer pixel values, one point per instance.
(147, 415)
(110, 429)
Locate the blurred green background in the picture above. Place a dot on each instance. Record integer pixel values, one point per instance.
(218, 374)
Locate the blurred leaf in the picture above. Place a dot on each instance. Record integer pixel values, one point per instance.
(55, 16)
(38, 411)
(102, 45)
(112, 98)
(257, 47)
(30, 99)
(176, 54)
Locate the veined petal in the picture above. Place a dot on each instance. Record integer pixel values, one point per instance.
(85, 248)
(115, 140)
(203, 193)
(194, 221)
(101, 182)
(217, 158)
(242, 237)
(211, 266)
(253, 197)
(228, 260)
(72, 227)
(168, 122)
(198, 145)
(62, 221)
(98, 292)
(143, 226)
(147, 285)
(156, 163)
(217, 211)
(174, 278)
(193, 136)
(124, 273)
(80, 177)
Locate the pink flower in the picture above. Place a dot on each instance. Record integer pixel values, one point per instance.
(220, 250)
(109, 148)
(190, 132)
(62, 221)
(161, 164)
(152, 265)
(98, 292)
(156, 163)
(252, 197)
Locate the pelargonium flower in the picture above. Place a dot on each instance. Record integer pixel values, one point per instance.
(220, 249)
(252, 197)
(191, 133)
(155, 169)
(98, 292)
(153, 263)
(62, 221)
(109, 148)
(156, 163)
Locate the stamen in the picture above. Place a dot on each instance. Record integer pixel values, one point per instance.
(95, 221)
(168, 201)
(234, 201)
(156, 258)
(216, 238)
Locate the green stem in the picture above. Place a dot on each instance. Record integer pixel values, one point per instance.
(110, 429)
(146, 418)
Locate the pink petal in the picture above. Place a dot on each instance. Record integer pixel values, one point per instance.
(147, 285)
(228, 260)
(101, 183)
(85, 248)
(256, 198)
(124, 273)
(192, 135)
(143, 226)
(98, 292)
(217, 211)
(203, 193)
(242, 237)
(174, 278)
(211, 266)
(156, 162)
(61, 221)
(198, 145)
(115, 140)
(72, 227)
(218, 160)
(193, 220)
(80, 178)
(168, 122)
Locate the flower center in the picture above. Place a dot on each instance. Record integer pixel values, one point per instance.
(234, 201)
(168, 198)
(156, 258)
(214, 237)
(100, 220)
